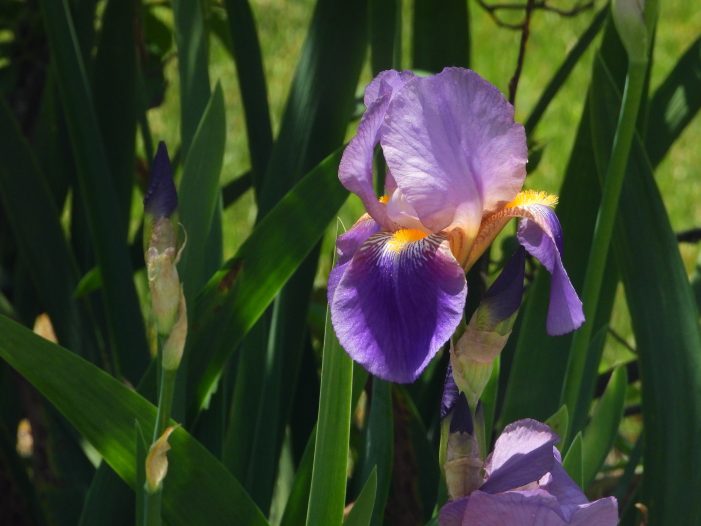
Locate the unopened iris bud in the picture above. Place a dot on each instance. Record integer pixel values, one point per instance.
(160, 240)
(629, 18)
(175, 344)
(157, 462)
(472, 357)
(459, 450)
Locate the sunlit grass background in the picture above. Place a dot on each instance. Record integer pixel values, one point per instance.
(282, 26)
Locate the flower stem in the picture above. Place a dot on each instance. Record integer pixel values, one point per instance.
(166, 388)
(578, 367)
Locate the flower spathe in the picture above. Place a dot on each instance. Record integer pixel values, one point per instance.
(525, 484)
(456, 161)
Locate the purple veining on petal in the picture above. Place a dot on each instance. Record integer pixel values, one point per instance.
(523, 453)
(346, 246)
(355, 170)
(542, 238)
(503, 298)
(453, 147)
(161, 198)
(393, 308)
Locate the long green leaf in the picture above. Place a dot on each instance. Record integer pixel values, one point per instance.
(31, 211)
(114, 80)
(249, 70)
(665, 323)
(238, 294)
(97, 191)
(385, 34)
(191, 40)
(361, 513)
(197, 490)
(379, 444)
(674, 104)
(327, 495)
(573, 460)
(563, 72)
(599, 435)
(441, 34)
(317, 113)
(199, 194)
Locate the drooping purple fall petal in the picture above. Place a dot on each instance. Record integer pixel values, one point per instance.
(347, 244)
(355, 170)
(541, 235)
(397, 302)
(453, 148)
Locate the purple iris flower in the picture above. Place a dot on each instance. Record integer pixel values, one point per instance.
(526, 485)
(456, 161)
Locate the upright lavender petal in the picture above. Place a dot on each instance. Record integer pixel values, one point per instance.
(355, 170)
(398, 301)
(385, 82)
(541, 235)
(523, 453)
(161, 198)
(452, 145)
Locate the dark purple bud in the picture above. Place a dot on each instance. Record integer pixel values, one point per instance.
(161, 198)
(503, 298)
(454, 404)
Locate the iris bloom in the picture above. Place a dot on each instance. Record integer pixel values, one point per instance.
(456, 161)
(526, 485)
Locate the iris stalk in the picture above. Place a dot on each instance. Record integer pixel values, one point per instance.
(615, 173)
(166, 389)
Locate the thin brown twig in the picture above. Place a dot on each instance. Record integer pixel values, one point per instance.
(525, 31)
(542, 5)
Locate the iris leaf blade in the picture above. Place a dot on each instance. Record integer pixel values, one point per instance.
(327, 494)
(97, 191)
(103, 410)
(362, 511)
(239, 293)
(601, 431)
(199, 193)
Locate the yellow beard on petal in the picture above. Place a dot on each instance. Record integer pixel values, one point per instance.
(494, 222)
(404, 236)
(533, 197)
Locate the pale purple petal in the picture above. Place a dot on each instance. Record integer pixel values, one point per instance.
(541, 235)
(453, 147)
(346, 246)
(385, 82)
(452, 513)
(558, 483)
(523, 453)
(355, 170)
(602, 512)
(512, 508)
(397, 304)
